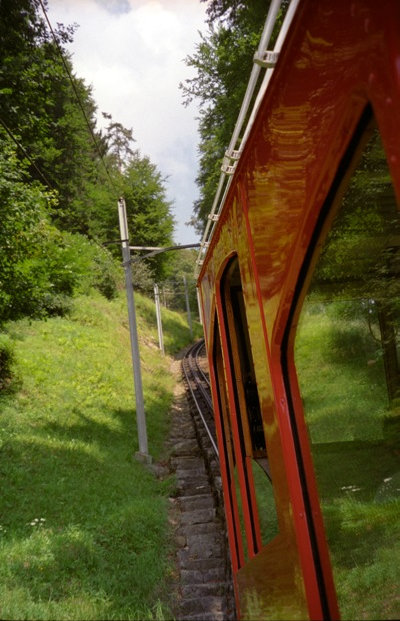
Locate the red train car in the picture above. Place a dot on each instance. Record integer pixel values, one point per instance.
(300, 298)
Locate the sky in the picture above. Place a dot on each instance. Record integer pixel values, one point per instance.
(131, 52)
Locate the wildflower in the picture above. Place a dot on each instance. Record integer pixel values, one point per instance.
(38, 522)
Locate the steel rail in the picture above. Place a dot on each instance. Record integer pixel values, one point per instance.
(196, 376)
(197, 355)
(199, 375)
(191, 362)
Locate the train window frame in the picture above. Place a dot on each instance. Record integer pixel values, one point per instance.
(330, 208)
(226, 442)
(249, 458)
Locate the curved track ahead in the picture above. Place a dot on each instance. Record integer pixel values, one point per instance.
(199, 387)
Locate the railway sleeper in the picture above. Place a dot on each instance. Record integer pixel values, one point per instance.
(205, 567)
(204, 589)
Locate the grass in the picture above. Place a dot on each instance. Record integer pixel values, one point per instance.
(355, 400)
(265, 503)
(358, 473)
(83, 526)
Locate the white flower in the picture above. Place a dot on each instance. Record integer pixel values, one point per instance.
(37, 522)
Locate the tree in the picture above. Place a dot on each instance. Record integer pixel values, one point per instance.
(119, 140)
(29, 75)
(223, 63)
(183, 264)
(68, 174)
(78, 153)
(41, 266)
(149, 215)
(26, 285)
(42, 104)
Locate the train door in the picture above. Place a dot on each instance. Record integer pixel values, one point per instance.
(264, 556)
(342, 362)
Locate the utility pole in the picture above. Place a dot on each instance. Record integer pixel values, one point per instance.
(158, 314)
(142, 455)
(199, 306)
(188, 306)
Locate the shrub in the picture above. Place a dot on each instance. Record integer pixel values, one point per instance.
(142, 277)
(92, 265)
(40, 266)
(106, 273)
(6, 360)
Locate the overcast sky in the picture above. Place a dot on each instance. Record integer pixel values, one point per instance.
(131, 52)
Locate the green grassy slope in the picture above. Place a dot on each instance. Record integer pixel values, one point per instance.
(83, 526)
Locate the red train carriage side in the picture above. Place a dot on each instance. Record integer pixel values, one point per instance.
(301, 306)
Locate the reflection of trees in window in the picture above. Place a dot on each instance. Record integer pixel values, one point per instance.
(361, 257)
(347, 364)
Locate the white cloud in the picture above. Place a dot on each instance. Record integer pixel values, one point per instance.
(132, 53)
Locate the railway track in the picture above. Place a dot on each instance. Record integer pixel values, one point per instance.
(205, 581)
(198, 385)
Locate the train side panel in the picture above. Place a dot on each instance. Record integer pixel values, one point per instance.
(338, 69)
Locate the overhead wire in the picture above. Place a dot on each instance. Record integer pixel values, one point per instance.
(26, 154)
(78, 98)
(81, 106)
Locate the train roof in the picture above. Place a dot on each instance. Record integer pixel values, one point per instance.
(264, 58)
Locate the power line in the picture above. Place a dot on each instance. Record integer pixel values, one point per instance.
(71, 79)
(41, 174)
(160, 250)
(26, 154)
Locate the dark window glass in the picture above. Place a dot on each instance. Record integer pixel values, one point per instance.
(256, 491)
(233, 501)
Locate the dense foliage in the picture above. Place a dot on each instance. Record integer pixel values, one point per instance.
(61, 177)
(223, 63)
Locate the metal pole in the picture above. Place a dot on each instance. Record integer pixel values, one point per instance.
(199, 306)
(158, 314)
(188, 306)
(137, 375)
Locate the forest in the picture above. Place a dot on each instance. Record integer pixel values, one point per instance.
(61, 176)
(99, 546)
(72, 546)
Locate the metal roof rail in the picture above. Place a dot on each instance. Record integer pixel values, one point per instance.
(263, 58)
(267, 60)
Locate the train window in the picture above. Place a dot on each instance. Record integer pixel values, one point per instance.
(347, 363)
(233, 502)
(250, 450)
